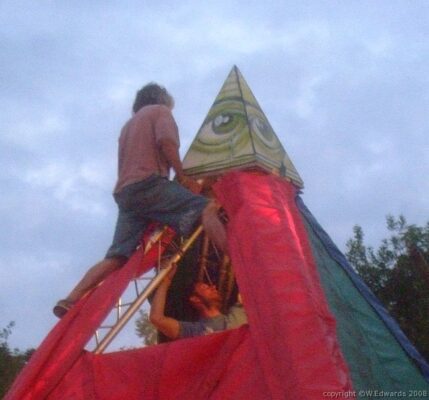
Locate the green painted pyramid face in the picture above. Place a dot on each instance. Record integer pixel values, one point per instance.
(236, 134)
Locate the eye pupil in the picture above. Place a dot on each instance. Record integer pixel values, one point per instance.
(221, 119)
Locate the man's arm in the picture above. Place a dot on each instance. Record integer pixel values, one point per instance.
(168, 326)
(167, 138)
(170, 150)
(171, 153)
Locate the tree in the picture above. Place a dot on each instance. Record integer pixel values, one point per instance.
(398, 274)
(11, 361)
(145, 329)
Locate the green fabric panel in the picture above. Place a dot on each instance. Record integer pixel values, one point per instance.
(375, 358)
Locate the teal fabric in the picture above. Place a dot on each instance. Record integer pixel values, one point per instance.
(375, 358)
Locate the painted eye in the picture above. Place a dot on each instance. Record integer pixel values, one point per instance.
(222, 130)
(264, 131)
(224, 133)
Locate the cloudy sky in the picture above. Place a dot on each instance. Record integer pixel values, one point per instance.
(344, 84)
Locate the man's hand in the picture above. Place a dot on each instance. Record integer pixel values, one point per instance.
(169, 277)
(190, 184)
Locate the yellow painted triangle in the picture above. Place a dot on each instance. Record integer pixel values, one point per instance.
(236, 134)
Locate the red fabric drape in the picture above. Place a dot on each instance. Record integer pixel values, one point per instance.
(292, 328)
(219, 366)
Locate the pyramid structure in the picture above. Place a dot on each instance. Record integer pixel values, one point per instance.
(315, 330)
(237, 134)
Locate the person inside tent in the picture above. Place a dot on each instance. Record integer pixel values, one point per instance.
(206, 300)
(148, 149)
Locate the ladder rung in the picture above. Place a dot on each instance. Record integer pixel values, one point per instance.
(106, 327)
(143, 279)
(124, 304)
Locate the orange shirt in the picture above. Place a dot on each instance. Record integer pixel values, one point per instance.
(139, 153)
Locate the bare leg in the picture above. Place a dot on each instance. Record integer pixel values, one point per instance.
(94, 276)
(214, 227)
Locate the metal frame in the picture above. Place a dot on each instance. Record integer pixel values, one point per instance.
(134, 306)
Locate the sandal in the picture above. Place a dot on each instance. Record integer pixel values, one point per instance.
(62, 307)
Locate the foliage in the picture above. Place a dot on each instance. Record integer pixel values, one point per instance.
(11, 361)
(398, 274)
(145, 329)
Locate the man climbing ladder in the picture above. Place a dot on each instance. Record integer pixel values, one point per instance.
(148, 148)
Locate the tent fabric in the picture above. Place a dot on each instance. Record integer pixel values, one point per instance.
(64, 344)
(218, 366)
(370, 337)
(292, 328)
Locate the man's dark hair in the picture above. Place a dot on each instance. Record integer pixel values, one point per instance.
(189, 290)
(152, 93)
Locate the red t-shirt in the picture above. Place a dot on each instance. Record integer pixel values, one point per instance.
(139, 153)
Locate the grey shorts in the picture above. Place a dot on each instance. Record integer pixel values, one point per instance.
(153, 199)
